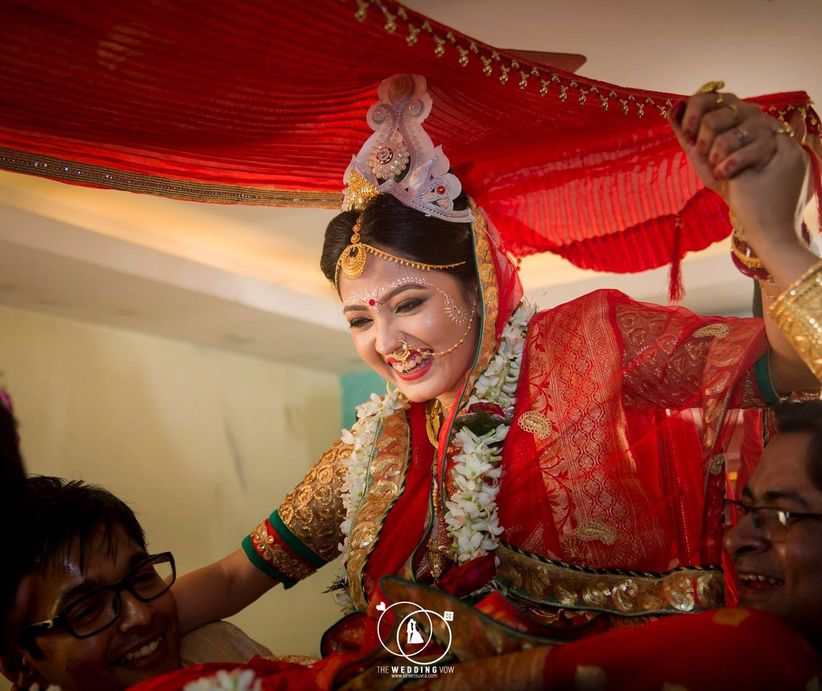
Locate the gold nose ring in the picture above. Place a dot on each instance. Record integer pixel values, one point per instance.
(402, 352)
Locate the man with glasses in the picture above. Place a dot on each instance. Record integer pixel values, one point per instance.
(775, 540)
(98, 611)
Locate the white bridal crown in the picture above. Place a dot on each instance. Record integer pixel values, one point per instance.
(399, 159)
(400, 143)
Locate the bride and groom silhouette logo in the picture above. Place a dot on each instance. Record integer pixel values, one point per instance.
(412, 632)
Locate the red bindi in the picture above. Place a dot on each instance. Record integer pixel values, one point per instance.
(372, 302)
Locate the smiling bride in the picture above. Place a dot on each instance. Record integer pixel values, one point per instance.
(571, 458)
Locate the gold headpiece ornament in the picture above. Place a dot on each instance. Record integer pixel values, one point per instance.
(399, 159)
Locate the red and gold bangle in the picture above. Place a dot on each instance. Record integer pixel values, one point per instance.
(743, 256)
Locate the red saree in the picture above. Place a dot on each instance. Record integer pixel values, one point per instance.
(718, 649)
(610, 498)
(489, 648)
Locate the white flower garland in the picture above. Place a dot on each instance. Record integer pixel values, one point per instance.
(471, 516)
(362, 436)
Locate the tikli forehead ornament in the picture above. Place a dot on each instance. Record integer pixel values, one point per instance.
(399, 159)
(373, 297)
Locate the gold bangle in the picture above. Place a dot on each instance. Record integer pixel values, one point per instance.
(768, 288)
(738, 232)
(798, 314)
(798, 289)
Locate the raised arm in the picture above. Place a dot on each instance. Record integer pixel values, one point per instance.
(219, 590)
(759, 168)
(292, 543)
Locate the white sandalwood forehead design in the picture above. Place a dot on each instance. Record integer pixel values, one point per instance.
(374, 297)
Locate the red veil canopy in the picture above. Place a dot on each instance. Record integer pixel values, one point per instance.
(263, 102)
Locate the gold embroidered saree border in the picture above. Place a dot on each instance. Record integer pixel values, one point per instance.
(490, 297)
(384, 484)
(64, 170)
(624, 593)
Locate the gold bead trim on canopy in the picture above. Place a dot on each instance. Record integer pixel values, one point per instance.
(784, 114)
(547, 81)
(186, 190)
(520, 72)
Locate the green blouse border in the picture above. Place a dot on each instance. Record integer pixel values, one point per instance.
(262, 565)
(292, 542)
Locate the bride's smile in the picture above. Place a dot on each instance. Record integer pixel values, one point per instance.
(405, 324)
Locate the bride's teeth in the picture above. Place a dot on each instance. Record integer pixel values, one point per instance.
(144, 651)
(412, 363)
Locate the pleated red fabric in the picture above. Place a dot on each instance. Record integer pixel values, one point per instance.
(263, 102)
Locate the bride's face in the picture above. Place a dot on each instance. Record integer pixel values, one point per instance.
(428, 310)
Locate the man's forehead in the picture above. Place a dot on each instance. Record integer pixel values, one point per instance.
(103, 560)
(783, 467)
(107, 546)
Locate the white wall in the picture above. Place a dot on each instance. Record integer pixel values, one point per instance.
(202, 443)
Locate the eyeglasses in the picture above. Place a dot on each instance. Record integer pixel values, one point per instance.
(99, 609)
(769, 520)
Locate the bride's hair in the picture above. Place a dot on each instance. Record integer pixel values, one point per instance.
(405, 232)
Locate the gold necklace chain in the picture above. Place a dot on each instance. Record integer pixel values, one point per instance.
(433, 422)
(437, 550)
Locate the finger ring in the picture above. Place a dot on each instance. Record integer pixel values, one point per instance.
(741, 135)
(785, 129)
(710, 87)
(720, 99)
(735, 110)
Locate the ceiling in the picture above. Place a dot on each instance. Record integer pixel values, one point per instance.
(246, 278)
